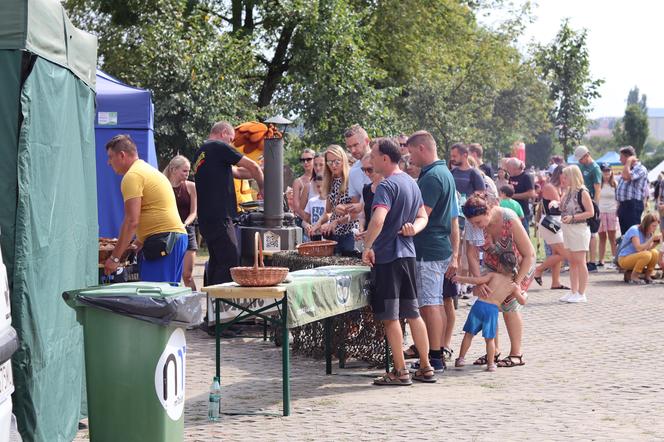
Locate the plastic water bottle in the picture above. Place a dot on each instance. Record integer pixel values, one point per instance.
(214, 402)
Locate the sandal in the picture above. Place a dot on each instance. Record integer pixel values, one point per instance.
(426, 375)
(448, 354)
(559, 287)
(509, 361)
(636, 281)
(460, 362)
(394, 378)
(538, 280)
(411, 353)
(482, 359)
(491, 368)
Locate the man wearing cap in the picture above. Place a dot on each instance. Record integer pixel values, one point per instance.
(592, 178)
(631, 190)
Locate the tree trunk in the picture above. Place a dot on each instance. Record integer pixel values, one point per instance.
(236, 18)
(249, 17)
(277, 67)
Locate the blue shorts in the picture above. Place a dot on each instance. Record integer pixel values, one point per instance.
(167, 268)
(483, 316)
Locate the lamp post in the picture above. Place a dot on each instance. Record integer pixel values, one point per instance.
(280, 123)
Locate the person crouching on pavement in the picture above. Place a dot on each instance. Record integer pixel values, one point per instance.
(483, 314)
(398, 214)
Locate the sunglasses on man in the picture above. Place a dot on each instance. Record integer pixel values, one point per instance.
(305, 160)
(367, 169)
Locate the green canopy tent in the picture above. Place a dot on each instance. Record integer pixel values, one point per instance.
(48, 220)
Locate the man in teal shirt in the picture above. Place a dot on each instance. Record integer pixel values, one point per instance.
(592, 178)
(436, 246)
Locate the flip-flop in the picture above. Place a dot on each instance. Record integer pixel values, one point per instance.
(538, 280)
(560, 287)
(414, 353)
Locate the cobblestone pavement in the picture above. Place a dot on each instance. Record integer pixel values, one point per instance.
(593, 372)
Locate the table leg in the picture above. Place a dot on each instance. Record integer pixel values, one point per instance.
(387, 356)
(285, 354)
(217, 337)
(327, 325)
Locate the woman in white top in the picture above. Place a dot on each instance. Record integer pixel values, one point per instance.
(608, 206)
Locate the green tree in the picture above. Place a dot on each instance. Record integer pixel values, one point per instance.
(565, 68)
(635, 127)
(634, 98)
(174, 51)
(539, 152)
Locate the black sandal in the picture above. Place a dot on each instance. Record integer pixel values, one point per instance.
(482, 359)
(538, 279)
(559, 287)
(395, 379)
(509, 361)
(426, 375)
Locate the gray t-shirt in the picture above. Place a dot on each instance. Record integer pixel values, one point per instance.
(400, 195)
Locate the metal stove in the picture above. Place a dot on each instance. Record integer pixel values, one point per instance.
(276, 226)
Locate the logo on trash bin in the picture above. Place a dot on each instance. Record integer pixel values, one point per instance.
(169, 375)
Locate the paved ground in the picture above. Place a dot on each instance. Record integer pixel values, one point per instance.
(593, 372)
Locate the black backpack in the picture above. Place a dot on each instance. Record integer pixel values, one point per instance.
(593, 221)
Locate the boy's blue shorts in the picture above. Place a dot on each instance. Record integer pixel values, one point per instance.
(483, 316)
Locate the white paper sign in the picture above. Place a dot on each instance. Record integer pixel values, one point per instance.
(107, 118)
(169, 375)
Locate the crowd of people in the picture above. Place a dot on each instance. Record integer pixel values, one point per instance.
(428, 228)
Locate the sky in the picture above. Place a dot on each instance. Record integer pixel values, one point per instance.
(624, 41)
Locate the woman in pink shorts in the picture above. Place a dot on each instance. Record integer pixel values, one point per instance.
(608, 221)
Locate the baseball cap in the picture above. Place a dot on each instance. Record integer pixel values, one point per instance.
(605, 166)
(580, 152)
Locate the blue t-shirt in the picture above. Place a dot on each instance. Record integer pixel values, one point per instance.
(400, 195)
(438, 192)
(629, 248)
(468, 181)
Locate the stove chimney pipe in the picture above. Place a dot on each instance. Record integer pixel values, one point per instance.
(273, 162)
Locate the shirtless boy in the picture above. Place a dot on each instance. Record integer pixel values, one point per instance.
(484, 313)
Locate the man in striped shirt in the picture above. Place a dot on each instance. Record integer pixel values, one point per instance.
(630, 192)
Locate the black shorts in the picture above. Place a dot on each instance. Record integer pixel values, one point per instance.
(395, 293)
(450, 289)
(191, 238)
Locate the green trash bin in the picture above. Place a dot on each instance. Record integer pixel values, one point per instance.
(135, 353)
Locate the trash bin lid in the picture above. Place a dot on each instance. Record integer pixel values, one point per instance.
(151, 289)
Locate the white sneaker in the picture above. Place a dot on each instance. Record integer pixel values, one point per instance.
(577, 297)
(566, 296)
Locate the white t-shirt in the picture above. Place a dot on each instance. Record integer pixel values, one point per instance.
(356, 180)
(315, 208)
(607, 199)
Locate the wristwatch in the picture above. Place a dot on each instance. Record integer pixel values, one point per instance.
(114, 259)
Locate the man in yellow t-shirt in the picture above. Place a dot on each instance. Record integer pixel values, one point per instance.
(150, 213)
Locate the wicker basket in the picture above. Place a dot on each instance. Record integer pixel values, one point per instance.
(317, 248)
(258, 275)
(106, 247)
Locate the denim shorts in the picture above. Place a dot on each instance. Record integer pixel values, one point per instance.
(430, 277)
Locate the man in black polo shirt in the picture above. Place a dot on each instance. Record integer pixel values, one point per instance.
(216, 164)
(523, 188)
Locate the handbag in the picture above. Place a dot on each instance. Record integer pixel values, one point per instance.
(551, 224)
(159, 245)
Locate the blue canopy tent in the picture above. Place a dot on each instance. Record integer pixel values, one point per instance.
(571, 160)
(121, 109)
(612, 158)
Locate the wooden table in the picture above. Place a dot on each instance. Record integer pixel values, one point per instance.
(229, 291)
